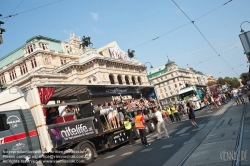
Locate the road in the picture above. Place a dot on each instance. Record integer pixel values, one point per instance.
(160, 151)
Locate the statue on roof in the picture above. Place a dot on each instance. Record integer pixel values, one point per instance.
(131, 53)
(85, 42)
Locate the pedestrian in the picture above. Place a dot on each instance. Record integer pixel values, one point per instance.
(241, 96)
(160, 124)
(175, 112)
(206, 102)
(170, 114)
(235, 95)
(139, 124)
(191, 115)
(128, 129)
(248, 93)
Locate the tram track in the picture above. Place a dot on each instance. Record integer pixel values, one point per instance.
(183, 161)
(238, 147)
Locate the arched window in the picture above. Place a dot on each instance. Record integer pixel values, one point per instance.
(111, 78)
(139, 80)
(119, 78)
(133, 80)
(127, 80)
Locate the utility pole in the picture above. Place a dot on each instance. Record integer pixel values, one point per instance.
(1, 31)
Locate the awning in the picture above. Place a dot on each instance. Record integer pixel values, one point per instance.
(70, 91)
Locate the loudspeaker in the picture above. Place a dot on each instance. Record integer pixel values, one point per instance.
(86, 110)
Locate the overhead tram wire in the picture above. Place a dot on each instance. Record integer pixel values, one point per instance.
(14, 10)
(203, 36)
(181, 26)
(214, 56)
(12, 15)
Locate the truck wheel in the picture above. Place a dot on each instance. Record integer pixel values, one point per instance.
(88, 153)
(151, 126)
(136, 133)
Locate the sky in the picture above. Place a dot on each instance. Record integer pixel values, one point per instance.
(131, 23)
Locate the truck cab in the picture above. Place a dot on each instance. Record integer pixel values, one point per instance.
(18, 134)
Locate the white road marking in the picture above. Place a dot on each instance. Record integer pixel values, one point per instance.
(171, 131)
(183, 130)
(146, 150)
(200, 127)
(167, 146)
(183, 134)
(110, 156)
(128, 153)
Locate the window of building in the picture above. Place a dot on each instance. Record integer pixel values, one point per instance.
(166, 77)
(178, 79)
(168, 82)
(166, 94)
(161, 78)
(175, 85)
(176, 73)
(63, 61)
(30, 48)
(2, 79)
(173, 80)
(172, 75)
(12, 74)
(160, 90)
(23, 69)
(43, 46)
(3, 124)
(165, 89)
(169, 88)
(33, 63)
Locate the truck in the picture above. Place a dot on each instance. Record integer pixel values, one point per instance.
(193, 93)
(28, 128)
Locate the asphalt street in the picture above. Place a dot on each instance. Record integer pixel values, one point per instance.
(159, 151)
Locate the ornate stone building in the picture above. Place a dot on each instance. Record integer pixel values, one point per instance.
(46, 60)
(169, 79)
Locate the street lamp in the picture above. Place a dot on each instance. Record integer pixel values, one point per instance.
(150, 65)
(245, 40)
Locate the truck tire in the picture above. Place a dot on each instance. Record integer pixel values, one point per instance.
(88, 153)
(136, 133)
(151, 126)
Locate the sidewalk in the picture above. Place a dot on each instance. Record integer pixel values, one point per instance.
(221, 139)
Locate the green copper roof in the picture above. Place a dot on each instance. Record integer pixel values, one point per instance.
(18, 53)
(156, 73)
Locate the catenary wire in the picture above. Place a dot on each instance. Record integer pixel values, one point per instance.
(12, 15)
(14, 10)
(204, 36)
(181, 26)
(213, 56)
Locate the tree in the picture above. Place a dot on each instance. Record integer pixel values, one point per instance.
(221, 81)
(244, 77)
(210, 83)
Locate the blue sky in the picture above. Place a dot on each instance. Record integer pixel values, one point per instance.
(132, 23)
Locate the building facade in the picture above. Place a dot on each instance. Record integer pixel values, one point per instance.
(169, 79)
(46, 60)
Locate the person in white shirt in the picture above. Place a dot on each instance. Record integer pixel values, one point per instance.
(160, 124)
(62, 109)
(235, 95)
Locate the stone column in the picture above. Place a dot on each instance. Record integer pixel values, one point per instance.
(130, 80)
(115, 79)
(7, 77)
(18, 71)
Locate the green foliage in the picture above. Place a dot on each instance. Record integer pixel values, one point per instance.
(244, 77)
(233, 82)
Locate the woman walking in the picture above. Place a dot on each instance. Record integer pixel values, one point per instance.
(191, 115)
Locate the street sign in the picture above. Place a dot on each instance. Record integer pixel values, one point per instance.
(245, 40)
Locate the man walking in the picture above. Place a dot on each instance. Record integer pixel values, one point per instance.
(139, 124)
(128, 129)
(160, 124)
(175, 112)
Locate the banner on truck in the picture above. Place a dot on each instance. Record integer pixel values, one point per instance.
(68, 132)
(112, 91)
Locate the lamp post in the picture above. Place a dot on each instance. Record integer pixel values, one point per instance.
(245, 40)
(151, 83)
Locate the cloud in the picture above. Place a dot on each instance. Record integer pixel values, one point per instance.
(94, 15)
